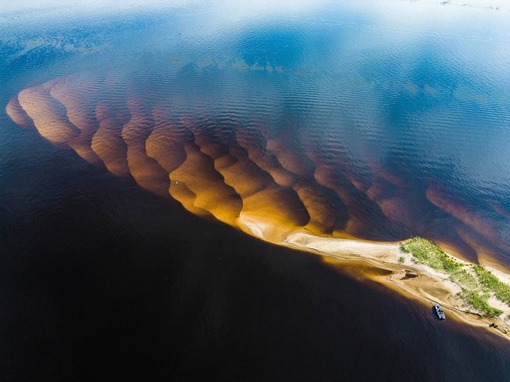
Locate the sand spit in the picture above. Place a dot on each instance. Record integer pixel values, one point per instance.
(416, 281)
(228, 167)
(420, 282)
(302, 192)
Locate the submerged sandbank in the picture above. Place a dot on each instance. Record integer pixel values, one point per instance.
(264, 182)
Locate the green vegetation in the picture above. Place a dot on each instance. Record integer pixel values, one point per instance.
(492, 283)
(401, 259)
(465, 279)
(477, 283)
(426, 252)
(480, 303)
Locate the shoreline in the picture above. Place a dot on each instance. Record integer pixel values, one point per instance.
(417, 281)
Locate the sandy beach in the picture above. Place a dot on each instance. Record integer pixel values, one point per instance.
(415, 281)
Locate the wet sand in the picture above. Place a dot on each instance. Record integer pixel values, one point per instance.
(261, 182)
(235, 169)
(416, 281)
(104, 281)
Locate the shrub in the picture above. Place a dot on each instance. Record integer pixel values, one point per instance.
(491, 282)
(464, 278)
(426, 252)
(480, 303)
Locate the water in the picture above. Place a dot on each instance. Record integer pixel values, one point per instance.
(345, 119)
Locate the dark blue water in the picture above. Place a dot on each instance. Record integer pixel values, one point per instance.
(395, 115)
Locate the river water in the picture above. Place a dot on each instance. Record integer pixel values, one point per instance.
(376, 122)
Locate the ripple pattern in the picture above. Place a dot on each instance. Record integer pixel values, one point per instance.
(265, 183)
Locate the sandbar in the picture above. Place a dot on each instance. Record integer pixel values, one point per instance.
(416, 281)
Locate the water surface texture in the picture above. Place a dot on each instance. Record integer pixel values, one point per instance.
(350, 119)
(342, 120)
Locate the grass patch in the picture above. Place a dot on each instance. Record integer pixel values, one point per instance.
(464, 278)
(427, 253)
(401, 259)
(479, 302)
(476, 287)
(491, 282)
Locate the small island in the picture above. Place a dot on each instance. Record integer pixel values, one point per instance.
(256, 181)
(418, 268)
(481, 289)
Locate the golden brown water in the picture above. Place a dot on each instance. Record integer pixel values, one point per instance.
(350, 119)
(242, 173)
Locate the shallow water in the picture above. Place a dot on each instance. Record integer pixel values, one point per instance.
(101, 280)
(379, 122)
(394, 130)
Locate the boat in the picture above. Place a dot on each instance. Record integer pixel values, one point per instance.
(439, 312)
